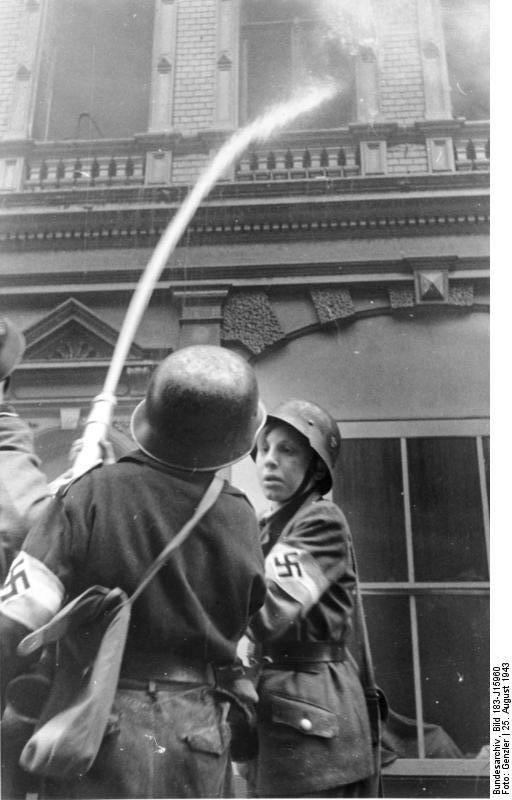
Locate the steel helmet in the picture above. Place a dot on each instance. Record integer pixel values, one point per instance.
(317, 426)
(12, 347)
(202, 409)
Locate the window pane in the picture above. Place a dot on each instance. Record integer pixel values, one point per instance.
(274, 10)
(288, 45)
(268, 67)
(467, 39)
(454, 655)
(320, 56)
(446, 510)
(389, 626)
(99, 68)
(369, 490)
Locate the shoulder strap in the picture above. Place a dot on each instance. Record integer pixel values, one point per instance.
(207, 501)
(368, 674)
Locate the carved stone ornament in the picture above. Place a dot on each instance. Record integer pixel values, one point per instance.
(401, 297)
(462, 294)
(430, 50)
(332, 304)
(431, 286)
(164, 66)
(224, 62)
(23, 73)
(250, 319)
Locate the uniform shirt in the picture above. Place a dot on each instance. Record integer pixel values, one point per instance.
(310, 579)
(111, 524)
(314, 732)
(24, 490)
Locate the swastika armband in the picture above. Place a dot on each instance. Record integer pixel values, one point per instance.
(297, 573)
(31, 594)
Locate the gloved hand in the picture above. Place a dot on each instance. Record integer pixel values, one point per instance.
(11, 633)
(12, 347)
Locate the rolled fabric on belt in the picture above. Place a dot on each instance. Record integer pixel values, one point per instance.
(304, 652)
(151, 665)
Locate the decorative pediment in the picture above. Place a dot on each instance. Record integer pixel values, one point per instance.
(72, 332)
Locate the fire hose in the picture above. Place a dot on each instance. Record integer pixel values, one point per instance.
(99, 419)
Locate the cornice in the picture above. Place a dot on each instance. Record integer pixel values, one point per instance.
(205, 140)
(244, 219)
(286, 273)
(245, 191)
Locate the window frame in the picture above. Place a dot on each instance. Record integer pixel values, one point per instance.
(295, 24)
(477, 429)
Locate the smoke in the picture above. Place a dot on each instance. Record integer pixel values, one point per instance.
(348, 21)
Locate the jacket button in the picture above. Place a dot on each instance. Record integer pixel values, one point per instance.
(305, 724)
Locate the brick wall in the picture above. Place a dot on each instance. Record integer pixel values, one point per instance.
(186, 169)
(407, 158)
(401, 74)
(10, 16)
(195, 66)
(399, 62)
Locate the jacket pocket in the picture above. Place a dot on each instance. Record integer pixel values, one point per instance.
(309, 719)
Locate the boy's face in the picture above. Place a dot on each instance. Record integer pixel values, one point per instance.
(282, 458)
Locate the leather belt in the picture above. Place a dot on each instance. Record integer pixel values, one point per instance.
(141, 669)
(295, 654)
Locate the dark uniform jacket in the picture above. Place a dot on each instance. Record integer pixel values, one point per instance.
(107, 529)
(314, 731)
(116, 521)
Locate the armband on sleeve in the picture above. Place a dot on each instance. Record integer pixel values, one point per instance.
(297, 574)
(31, 594)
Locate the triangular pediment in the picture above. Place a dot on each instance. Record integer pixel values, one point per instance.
(72, 331)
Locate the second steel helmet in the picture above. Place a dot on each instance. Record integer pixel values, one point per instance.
(317, 426)
(202, 409)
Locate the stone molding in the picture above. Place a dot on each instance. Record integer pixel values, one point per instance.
(460, 293)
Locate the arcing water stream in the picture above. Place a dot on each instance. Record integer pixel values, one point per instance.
(260, 129)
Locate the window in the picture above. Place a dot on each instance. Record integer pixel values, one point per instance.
(467, 41)
(94, 80)
(418, 510)
(285, 46)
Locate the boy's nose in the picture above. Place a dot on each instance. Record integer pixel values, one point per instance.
(270, 457)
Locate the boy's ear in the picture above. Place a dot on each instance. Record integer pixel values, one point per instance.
(320, 470)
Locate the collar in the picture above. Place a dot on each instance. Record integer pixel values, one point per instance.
(189, 475)
(273, 524)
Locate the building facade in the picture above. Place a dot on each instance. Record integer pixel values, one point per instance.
(347, 257)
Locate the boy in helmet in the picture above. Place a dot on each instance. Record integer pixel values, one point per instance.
(170, 738)
(313, 730)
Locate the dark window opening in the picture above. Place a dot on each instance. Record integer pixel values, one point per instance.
(372, 468)
(446, 510)
(416, 508)
(467, 41)
(286, 47)
(94, 78)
